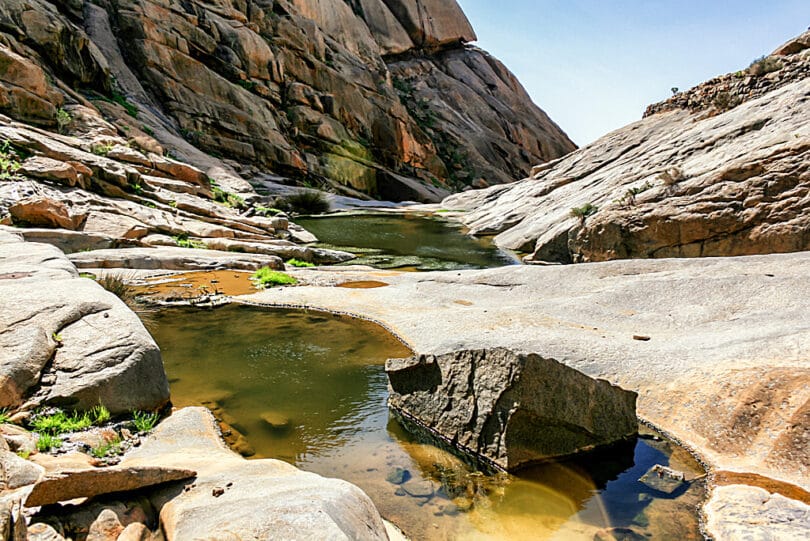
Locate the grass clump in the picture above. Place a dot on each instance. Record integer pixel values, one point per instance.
(266, 211)
(60, 422)
(144, 421)
(118, 286)
(120, 99)
(184, 242)
(4, 416)
(226, 198)
(100, 414)
(298, 263)
(46, 442)
(106, 449)
(266, 277)
(101, 149)
(304, 202)
(764, 65)
(583, 212)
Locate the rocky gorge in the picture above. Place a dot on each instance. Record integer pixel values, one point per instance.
(149, 137)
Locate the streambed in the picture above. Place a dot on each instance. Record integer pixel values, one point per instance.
(309, 388)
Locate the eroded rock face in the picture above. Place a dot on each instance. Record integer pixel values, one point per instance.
(299, 86)
(510, 409)
(702, 180)
(93, 347)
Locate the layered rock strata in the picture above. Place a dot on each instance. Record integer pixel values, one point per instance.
(509, 409)
(703, 177)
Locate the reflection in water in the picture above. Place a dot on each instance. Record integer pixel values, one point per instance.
(309, 388)
(398, 241)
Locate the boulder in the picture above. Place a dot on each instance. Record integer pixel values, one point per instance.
(510, 409)
(43, 211)
(172, 258)
(95, 347)
(69, 484)
(257, 499)
(24, 90)
(66, 240)
(43, 532)
(44, 168)
(744, 512)
(16, 472)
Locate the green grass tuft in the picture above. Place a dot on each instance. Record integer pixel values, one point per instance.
(298, 263)
(106, 449)
(100, 414)
(46, 442)
(144, 421)
(4, 416)
(265, 277)
(61, 423)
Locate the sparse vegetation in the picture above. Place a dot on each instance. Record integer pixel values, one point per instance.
(671, 176)
(226, 198)
(764, 65)
(298, 263)
(266, 277)
(100, 414)
(120, 99)
(101, 149)
(184, 242)
(304, 202)
(630, 195)
(9, 161)
(4, 416)
(147, 130)
(583, 212)
(60, 422)
(266, 211)
(725, 101)
(63, 120)
(135, 188)
(144, 421)
(112, 447)
(247, 85)
(117, 285)
(46, 442)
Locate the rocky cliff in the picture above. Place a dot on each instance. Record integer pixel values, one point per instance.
(375, 97)
(721, 169)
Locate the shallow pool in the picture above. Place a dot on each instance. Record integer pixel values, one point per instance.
(309, 388)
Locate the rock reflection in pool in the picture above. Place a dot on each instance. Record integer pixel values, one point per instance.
(309, 388)
(387, 240)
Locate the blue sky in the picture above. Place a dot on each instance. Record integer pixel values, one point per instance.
(594, 66)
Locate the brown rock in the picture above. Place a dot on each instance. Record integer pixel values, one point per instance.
(67, 485)
(48, 169)
(107, 527)
(135, 532)
(43, 532)
(46, 212)
(17, 472)
(24, 91)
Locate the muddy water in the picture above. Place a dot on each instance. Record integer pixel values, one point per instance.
(408, 242)
(309, 388)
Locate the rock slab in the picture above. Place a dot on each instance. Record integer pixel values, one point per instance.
(508, 408)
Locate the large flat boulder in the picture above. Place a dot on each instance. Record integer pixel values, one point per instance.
(233, 498)
(94, 348)
(510, 409)
(171, 258)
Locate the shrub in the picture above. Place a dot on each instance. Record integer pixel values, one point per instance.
(63, 120)
(764, 65)
(265, 277)
(304, 202)
(584, 211)
(117, 285)
(725, 101)
(144, 421)
(298, 263)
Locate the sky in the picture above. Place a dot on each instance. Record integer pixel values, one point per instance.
(594, 66)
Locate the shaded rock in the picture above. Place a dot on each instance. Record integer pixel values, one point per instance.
(743, 512)
(106, 527)
(509, 409)
(170, 258)
(67, 485)
(48, 169)
(265, 498)
(19, 440)
(663, 479)
(68, 241)
(24, 90)
(135, 532)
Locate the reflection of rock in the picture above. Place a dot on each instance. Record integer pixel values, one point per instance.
(663, 479)
(276, 420)
(510, 409)
(398, 476)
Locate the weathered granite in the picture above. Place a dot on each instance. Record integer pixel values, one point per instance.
(509, 409)
(743, 512)
(171, 258)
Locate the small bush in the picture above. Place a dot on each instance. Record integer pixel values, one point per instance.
(117, 285)
(144, 421)
(304, 202)
(265, 277)
(725, 101)
(584, 211)
(46, 442)
(63, 120)
(764, 65)
(298, 263)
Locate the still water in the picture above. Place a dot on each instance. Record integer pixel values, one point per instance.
(405, 241)
(309, 388)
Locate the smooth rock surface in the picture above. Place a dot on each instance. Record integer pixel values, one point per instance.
(66, 485)
(507, 408)
(233, 498)
(95, 347)
(742, 512)
(727, 337)
(170, 258)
